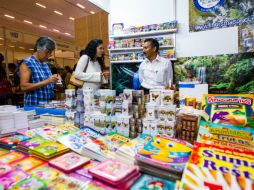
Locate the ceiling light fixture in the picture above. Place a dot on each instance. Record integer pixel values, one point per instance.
(1, 44)
(55, 30)
(40, 5)
(21, 48)
(42, 26)
(57, 12)
(28, 22)
(31, 49)
(12, 46)
(1, 39)
(9, 16)
(71, 18)
(81, 6)
(67, 34)
(92, 12)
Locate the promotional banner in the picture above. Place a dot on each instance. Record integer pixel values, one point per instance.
(246, 38)
(212, 14)
(224, 74)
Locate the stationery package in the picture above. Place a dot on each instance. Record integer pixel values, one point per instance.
(69, 162)
(32, 183)
(51, 132)
(12, 156)
(84, 170)
(4, 169)
(28, 163)
(9, 142)
(77, 140)
(3, 151)
(128, 150)
(147, 182)
(45, 173)
(50, 150)
(65, 182)
(114, 172)
(230, 122)
(12, 177)
(230, 109)
(163, 151)
(32, 143)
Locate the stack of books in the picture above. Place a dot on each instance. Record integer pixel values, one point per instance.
(164, 157)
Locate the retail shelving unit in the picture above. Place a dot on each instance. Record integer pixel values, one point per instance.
(136, 60)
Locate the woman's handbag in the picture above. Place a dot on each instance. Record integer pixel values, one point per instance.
(76, 82)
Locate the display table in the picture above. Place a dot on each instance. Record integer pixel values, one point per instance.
(39, 111)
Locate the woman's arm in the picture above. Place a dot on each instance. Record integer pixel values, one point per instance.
(86, 76)
(26, 85)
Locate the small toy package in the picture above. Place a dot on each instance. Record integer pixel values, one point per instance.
(231, 121)
(28, 163)
(147, 182)
(114, 172)
(12, 177)
(32, 183)
(12, 156)
(5, 168)
(69, 162)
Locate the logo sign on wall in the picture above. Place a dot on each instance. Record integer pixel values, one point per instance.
(213, 14)
(207, 5)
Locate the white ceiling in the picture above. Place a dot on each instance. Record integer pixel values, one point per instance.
(28, 10)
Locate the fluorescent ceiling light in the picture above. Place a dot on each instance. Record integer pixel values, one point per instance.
(40, 5)
(9, 16)
(57, 12)
(55, 30)
(12, 46)
(67, 34)
(29, 22)
(71, 18)
(21, 47)
(92, 12)
(1, 39)
(81, 6)
(31, 49)
(42, 26)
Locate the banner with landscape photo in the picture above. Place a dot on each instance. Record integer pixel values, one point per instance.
(246, 38)
(212, 14)
(232, 73)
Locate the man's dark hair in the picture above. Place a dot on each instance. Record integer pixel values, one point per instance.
(153, 42)
(44, 43)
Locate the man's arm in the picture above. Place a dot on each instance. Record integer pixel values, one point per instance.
(140, 73)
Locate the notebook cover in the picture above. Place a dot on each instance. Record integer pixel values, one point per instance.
(112, 171)
(28, 163)
(147, 182)
(4, 169)
(69, 162)
(29, 184)
(12, 156)
(12, 177)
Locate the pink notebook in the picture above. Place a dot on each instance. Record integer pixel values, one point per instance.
(69, 162)
(4, 169)
(114, 172)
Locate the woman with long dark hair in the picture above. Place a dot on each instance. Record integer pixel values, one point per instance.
(91, 64)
